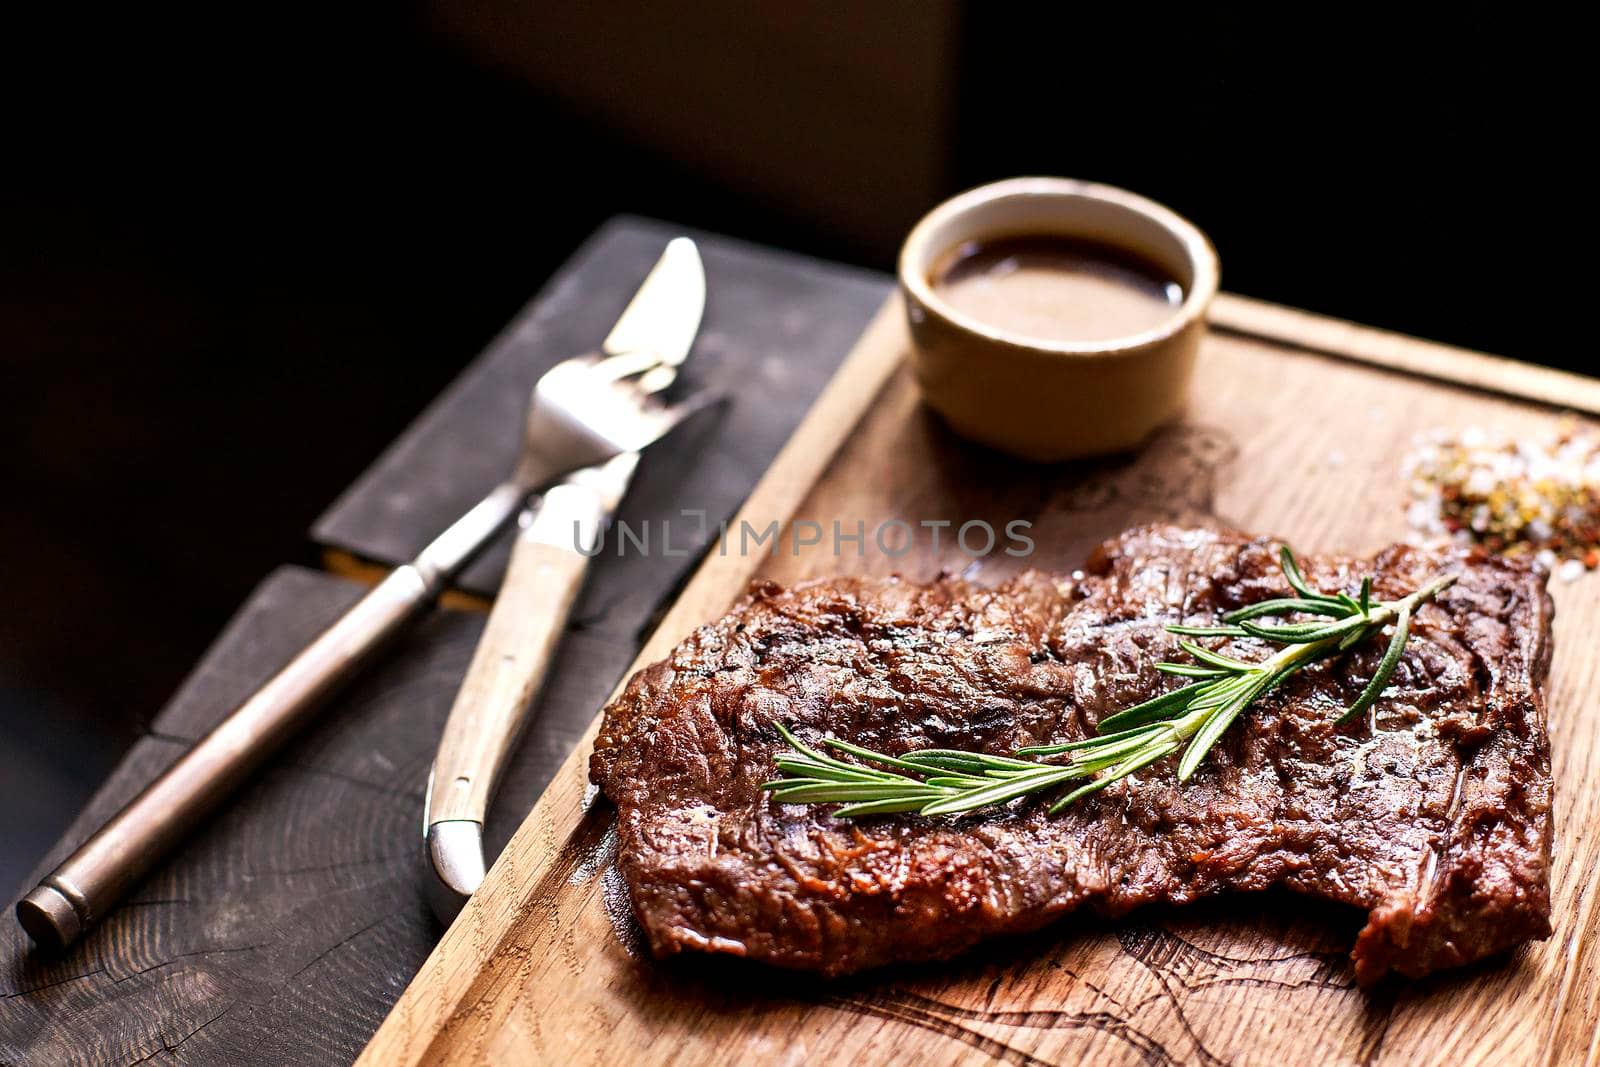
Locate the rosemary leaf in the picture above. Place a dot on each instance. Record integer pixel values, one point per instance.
(1304, 632)
(1216, 723)
(901, 806)
(1297, 581)
(1284, 606)
(1385, 671)
(1003, 792)
(1160, 707)
(1189, 670)
(1214, 659)
(934, 755)
(835, 791)
(1209, 631)
(919, 766)
(1144, 759)
(812, 769)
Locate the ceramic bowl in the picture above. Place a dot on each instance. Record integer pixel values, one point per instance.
(1054, 400)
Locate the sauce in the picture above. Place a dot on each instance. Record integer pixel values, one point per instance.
(1051, 288)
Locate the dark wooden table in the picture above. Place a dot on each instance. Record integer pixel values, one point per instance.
(284, 931)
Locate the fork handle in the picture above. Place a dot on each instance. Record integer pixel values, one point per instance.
(548, 563)
(90, 881)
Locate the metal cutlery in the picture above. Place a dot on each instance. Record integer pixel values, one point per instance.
(549, 560)
(583, 413)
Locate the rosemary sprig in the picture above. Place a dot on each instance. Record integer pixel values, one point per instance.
(1189, 719)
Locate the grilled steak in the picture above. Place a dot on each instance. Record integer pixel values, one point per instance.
(1433, 815)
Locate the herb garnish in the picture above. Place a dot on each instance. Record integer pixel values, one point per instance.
(946, 781)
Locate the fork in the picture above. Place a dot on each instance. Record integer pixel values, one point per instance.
(584, 411)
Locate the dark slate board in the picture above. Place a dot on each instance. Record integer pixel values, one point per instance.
(776, 327)
(286, 929)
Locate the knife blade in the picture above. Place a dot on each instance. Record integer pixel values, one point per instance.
(549, 560)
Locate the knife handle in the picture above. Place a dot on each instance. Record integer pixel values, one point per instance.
(93, 878)
(529, 616)
(88, 883)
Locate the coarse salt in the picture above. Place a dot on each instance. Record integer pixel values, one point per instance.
(1515, 496)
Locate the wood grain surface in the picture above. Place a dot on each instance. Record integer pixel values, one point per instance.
(262, 939)
(1284, 435)
(1394, 351)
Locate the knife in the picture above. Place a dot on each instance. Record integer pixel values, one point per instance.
(549, 559)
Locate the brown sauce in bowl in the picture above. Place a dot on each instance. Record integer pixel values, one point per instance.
(1053, 288)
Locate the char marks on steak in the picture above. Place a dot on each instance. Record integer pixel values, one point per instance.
(1433, 815)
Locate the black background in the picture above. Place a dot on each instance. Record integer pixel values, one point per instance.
(241, 251)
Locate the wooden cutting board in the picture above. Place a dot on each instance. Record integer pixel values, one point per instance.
(1296, 428)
